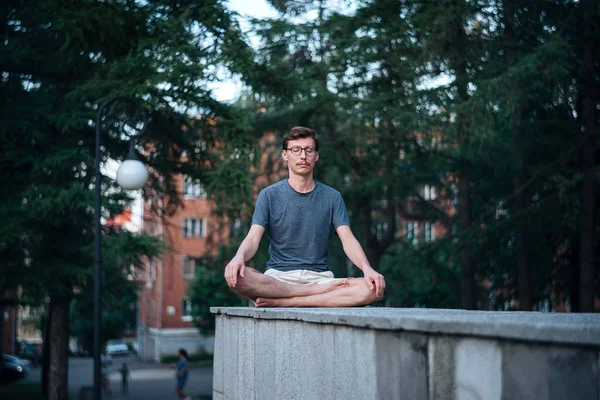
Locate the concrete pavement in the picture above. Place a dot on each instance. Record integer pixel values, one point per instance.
(149, 381)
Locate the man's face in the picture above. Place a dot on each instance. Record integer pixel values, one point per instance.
(303, 162)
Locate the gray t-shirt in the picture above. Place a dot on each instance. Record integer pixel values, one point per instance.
(298, 224)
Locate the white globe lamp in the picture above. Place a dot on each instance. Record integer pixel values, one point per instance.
(132, 173)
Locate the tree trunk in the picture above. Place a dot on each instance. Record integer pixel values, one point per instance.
(468, 292)
(520, 209)
(574, 274)
(1, 326)
(46, 354)
(523, 272)
(588, 187)
(58, 327)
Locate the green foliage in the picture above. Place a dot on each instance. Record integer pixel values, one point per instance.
(506, 119)
(58, 62)
(198, 356)
(209, 289)
(423, 276)
(122, 252)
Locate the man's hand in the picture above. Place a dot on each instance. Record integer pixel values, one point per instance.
(374, 280)
(236, 266)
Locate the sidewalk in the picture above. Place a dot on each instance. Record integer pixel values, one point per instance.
(156, 384)
(149, 381)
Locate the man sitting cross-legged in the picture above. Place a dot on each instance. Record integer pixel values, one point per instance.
(297, 213)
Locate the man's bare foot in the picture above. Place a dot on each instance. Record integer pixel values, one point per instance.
(266, 302)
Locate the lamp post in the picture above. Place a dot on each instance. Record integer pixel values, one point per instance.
(131, 175)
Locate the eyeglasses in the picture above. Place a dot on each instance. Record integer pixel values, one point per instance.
(297, 150)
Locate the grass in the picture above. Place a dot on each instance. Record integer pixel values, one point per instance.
(29, 391)
(201, 363)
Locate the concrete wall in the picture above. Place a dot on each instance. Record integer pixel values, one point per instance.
(384, 353)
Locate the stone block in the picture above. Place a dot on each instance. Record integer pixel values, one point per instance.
(218, 359)
(441, 363)
(246, 360)
(401, 362)
(524, 371)
(478, 370)
(573, 373)
(230, 357)
(265, 348)
(318, 361)
(354, 363)
(288, 357)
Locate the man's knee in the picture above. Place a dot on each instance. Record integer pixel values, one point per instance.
(369, 295)
(246, 280)
(373, 297)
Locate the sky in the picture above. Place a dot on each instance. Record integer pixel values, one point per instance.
(230, 88)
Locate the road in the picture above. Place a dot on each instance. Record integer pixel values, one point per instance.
(148, 380)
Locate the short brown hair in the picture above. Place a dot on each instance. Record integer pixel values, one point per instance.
(300, 132)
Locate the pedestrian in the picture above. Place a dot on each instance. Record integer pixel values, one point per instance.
(182, 372)
(125, 377)
(106, 364)
(298, 214)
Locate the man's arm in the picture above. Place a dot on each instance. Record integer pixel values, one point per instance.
(356, 254)
(246, 251)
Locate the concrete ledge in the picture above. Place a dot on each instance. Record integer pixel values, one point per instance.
(578, 329)
(385, 353)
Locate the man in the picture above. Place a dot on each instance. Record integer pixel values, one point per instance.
(297, 214)
(105, 363)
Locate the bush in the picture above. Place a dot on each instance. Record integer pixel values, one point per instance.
(200, 356)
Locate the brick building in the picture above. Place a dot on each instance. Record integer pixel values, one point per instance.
(165, 321)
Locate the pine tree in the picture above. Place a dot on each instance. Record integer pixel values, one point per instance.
(59, 60)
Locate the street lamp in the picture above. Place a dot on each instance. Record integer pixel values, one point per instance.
(131, 175)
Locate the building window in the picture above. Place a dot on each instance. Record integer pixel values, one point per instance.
(428, 192)
(380, 229)
(193, 189)
(135, 273)
(150, 309)
(428, 231)
(151, 268)
(186, 310)
(193, 227)
(236, 228)
(188, 268)
(454, 193)
(410, 232)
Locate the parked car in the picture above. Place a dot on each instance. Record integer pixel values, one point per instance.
(116, 346)
(30, 352)
(14, 368)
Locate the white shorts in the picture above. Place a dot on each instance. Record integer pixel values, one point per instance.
(301, 276)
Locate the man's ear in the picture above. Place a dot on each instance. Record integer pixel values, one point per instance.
(284, 155)
(317, 156)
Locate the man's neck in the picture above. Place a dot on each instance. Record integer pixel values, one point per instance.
(301, 184)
